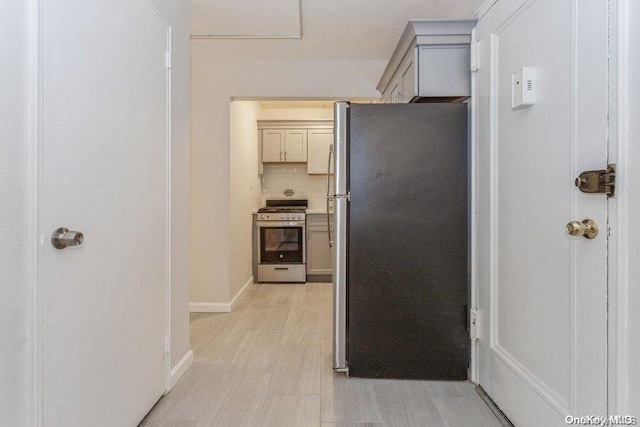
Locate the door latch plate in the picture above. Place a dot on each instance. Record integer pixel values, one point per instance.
(598, 181)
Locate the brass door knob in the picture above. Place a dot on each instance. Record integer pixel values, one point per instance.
(587, 228)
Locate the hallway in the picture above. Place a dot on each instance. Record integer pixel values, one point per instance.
(268, 363)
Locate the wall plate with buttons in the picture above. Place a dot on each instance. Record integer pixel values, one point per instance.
(523, 88)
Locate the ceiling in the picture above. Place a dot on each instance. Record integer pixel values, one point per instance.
(329, 29)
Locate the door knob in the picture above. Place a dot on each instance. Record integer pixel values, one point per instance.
(587, 228)
(63, 237)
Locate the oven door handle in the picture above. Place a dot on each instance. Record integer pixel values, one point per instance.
(274, 224)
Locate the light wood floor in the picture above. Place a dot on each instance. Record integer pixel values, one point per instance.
(268, 363)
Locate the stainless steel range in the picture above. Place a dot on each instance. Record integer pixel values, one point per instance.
(281, 231)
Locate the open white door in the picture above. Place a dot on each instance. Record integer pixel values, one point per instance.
(542, 293)
(105, 174)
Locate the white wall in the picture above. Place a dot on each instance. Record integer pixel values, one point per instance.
(214, 83)
(14, 212)
(177, 12)
(245, 190)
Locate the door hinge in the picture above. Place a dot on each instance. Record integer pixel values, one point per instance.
(601, 181)
(168, 59)
(475, 56)
(474, 324)
(167, 344)
(343, 196)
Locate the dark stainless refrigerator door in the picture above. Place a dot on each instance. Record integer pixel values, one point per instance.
(339, 247)
(407, 241)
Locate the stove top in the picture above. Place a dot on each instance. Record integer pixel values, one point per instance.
(285, 209)
(285, 205)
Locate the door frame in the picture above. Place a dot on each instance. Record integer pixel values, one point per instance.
(619, 217)
(35, 186)
(619, 224)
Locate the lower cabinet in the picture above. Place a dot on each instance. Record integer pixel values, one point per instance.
(319, 259)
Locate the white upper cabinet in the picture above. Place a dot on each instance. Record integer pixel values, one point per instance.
(272, 145)
(284, 145)
(299, 141)
(319, 143)
(395, 92)
(431, 60)
(295, 145)
(408, 82)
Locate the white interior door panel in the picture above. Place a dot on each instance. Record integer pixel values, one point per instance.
(105, 172)
(543, 293)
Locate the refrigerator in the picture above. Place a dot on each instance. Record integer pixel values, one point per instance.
(400, 240)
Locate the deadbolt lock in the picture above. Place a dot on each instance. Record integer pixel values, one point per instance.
(598, 181)
(587, 228)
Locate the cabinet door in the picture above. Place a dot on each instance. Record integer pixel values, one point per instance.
(319, 142)
(384, 98)
(295, 145)
(408, 83)
(272, 145)
(395, 92)
(318, 251)
(444, 71)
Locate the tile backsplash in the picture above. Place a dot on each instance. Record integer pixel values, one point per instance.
(278, 177)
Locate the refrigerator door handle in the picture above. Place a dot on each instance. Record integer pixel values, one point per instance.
(339, 251)
(329, 198)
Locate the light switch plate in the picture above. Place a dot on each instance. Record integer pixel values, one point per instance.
(523, 88)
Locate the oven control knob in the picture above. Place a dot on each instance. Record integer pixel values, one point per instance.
(261, 216)
(282, 216)
(288, 216)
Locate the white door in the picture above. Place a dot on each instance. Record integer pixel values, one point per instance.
(542, 293)
(295, 145)
(104, 303)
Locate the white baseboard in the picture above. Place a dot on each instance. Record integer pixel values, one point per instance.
(240, 292)
(218, 307)
(209, 307)
(181, 367)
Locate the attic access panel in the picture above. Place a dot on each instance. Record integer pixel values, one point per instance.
(240, 19)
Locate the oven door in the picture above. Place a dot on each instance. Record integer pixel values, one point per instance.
(281, 242)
